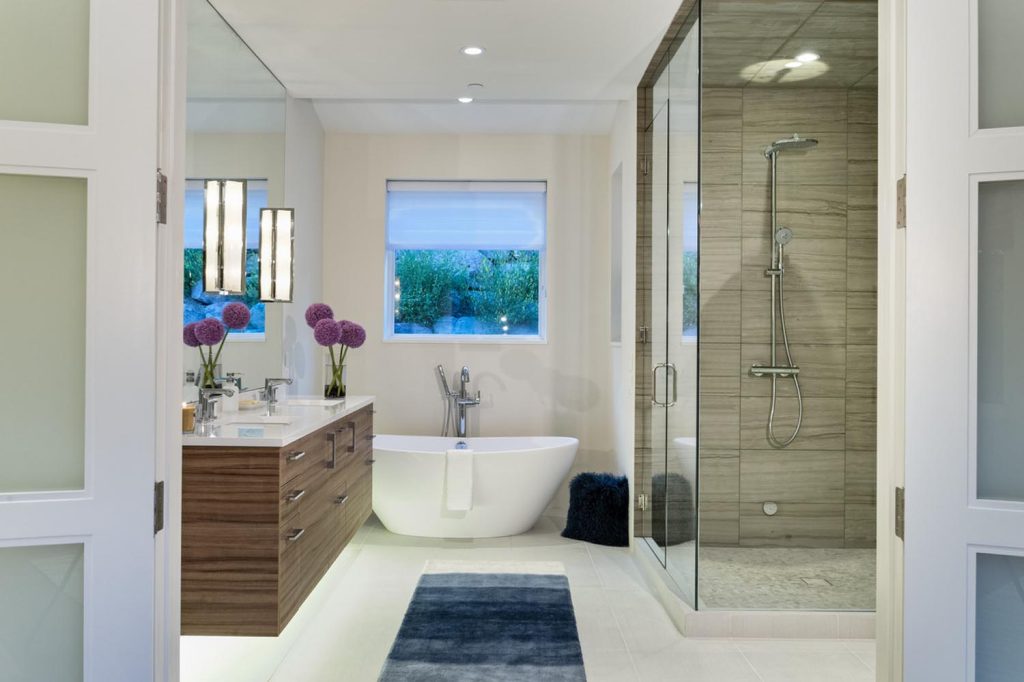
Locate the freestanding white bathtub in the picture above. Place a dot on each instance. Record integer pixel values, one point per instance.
(514, 480)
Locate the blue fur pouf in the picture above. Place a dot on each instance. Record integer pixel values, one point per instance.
(598, 510)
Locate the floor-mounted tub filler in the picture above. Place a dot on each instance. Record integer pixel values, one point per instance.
(432, 486)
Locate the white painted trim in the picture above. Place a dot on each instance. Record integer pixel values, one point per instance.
(891, 336)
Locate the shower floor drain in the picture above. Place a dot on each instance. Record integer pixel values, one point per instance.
(816, 582)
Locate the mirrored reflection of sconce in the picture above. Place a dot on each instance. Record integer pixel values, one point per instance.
(224, 236)
(277, 255)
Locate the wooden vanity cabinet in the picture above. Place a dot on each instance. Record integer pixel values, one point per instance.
(261, 526)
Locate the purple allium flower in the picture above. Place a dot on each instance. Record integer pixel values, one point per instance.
(189, 335)
(210, 331)
(326, 332)
(236, 315)
(352, 334)
(317, 312)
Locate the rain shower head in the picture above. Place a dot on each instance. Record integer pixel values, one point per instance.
(795, 142)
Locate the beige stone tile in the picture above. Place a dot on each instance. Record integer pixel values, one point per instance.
(862, 223)
(861, 265)
(795, 525)
(719, 476)
(719, 422)
(720, 317)
(861, 371)
(808, 476)
(822, 370)
(732, 21)
(812, 317)
(720, 211)
(860, 476)
(720, 360)
(861, 318)
(721, 110)
(724, 386)
(719, 265)
(862, 197)
(795, 110)
(818, 264)
(811, 211)
(719, 523)
(860, 525)
(823, 426)
(843, 19)
(825, 164)
(861, 419)
(862, 155)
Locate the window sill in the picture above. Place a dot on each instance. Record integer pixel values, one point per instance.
(462, 339)
(235, 337)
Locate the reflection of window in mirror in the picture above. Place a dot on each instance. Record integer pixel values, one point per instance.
(691, 202)
(198, 304)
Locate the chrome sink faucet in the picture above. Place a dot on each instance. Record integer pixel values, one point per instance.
(270, 393)
(207, 399)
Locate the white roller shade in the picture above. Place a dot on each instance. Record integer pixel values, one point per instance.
(467, 215)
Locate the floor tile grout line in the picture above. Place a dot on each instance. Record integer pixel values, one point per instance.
(747, 660)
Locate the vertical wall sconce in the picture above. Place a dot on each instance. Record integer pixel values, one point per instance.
(277, 256)
(224, 236)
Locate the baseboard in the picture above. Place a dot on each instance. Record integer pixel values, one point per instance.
(750, 624)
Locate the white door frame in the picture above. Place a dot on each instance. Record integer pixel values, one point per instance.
(891, 336)
(169, 267)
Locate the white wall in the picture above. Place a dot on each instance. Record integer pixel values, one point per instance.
(622, 361)
(304, 191)
(561, 387)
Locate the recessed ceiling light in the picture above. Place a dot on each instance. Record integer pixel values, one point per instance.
(793, 65)
(472, 51)
(808, 57)
(465, 100)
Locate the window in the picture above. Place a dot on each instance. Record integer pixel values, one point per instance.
(197, 303)
(465, 259)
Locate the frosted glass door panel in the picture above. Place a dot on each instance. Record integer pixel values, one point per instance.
(999, 620)
(41, 613)
(44, 47)
(42, 412)
(1000, 54)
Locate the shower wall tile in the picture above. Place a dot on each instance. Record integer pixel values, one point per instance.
(810, 264)
(861, 371)
(720, 265)
(777, 109)
(817, 315)
(795, 525)
(861, 419)
(807, 476)
(822, 370)
(860, 525)
(861, 318)
(823, 427)
(860, 476)
(827, 196)
(861, 265)
(721, 215)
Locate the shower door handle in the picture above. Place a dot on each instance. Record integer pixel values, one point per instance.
(675, 383)
(654, 382)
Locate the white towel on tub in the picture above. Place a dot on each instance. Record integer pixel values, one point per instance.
(459, 480)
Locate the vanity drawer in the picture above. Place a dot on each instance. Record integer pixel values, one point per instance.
(309, 453)
(294, 536)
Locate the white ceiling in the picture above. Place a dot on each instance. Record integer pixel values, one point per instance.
(394, 66)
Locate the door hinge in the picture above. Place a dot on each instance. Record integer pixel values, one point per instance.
(642, 501)
(158, 507)
(901, 203)
(161, 197)
(642, 334)
(644, 166)
(900, 513)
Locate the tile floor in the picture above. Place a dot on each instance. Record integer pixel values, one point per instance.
(346, 628)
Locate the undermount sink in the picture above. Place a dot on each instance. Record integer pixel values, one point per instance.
(315, 402)
(259, 420)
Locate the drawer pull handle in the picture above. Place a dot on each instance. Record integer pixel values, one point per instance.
(333, 461)
(296, 534)
(295, 496)
(341, 499)
(352, 425)
(296, 456)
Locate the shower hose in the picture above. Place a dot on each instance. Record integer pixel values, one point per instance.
(773, 440)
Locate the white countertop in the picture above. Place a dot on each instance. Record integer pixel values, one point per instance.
(293, 418)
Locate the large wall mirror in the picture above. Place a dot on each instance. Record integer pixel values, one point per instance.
(235, 130)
